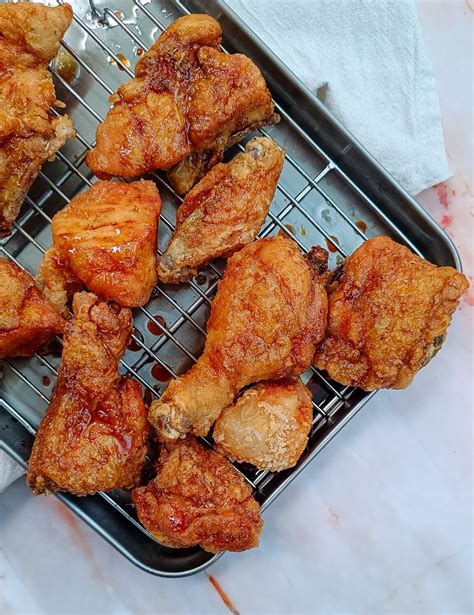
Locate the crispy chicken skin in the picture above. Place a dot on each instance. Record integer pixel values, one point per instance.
(224, 211)
(198, 498)
(93, 435)
(269, 313)
(29, 133)
(27, 321)
(104, 239)
(187, 97)
(388, 315)
(268, 425)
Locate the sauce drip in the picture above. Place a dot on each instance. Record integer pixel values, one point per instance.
(46, 381)
(290, 227)
(160, 373)
(154, 328)
(133, 344)
(361, 225)
(122, 58)
(330, 243)
(147, 397)
(224, 597)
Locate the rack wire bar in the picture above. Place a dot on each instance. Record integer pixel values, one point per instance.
(170, 330)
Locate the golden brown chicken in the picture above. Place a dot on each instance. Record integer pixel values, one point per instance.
(93, 435)
(29, 133)
(198, 498)
(224, 211)
(388, 316)
(27, 321)
(268, 425)
(105, 240)
(269, 313)
(187, 104)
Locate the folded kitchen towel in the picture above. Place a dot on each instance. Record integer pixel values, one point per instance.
(9, 470)
(369, 60)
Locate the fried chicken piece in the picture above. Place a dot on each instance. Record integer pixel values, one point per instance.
(268, 425)
(27, 321)
(198, 498)
(29, 133)
(388, 316)
(224, 211)
(187, 103)
(104, 239)
(93, 435)
(269, 313)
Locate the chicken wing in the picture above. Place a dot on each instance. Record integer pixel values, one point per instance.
(268, 425)
(105, 240)
(388, 316)
(187, 98)
(27, 321)
(224, 211)
(29, 133)
(268, 315)
(198, 498)
(93, 435)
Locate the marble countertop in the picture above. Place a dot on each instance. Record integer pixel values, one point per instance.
(381, 522)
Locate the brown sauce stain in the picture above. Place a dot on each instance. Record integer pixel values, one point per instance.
(201, 279)
(289, 227)
(147, 397)
(73, 523)
(154, 328)
(224, 597)
(331, 243)
(46, 381)
(139, 52)
(133, 344)
(361, 225)
(160, 373)
(122, 58)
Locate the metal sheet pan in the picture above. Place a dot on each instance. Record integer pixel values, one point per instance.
(331, 192)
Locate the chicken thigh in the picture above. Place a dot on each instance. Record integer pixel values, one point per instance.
(388, 316)
(198, 498)
(93, 435)
(29, 133)
(224, 211)
(187, 103)
(105, 240)
(269, 313)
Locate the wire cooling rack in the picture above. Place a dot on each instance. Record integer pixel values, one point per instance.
(316, 202)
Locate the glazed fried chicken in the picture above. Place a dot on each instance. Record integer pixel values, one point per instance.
(198, 498)
(269, 313)
(27, 321)
(104, 239)
(268, 425)
(187, 104)
(388, 316)
(29, 133)
(92, 437)
(224, 211)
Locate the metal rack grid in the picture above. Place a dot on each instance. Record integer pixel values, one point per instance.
(174, 343)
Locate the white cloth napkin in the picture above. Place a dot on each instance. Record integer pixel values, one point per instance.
(370, 60)
(9, 470)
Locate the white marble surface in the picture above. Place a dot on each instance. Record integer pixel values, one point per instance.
(380, 523)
